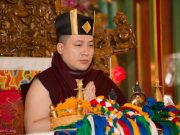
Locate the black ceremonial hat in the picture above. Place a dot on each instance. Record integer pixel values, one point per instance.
(72, 23)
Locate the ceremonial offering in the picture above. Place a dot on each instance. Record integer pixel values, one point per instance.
(103, 116)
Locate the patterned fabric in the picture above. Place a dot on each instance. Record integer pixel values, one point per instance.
(11, 105)
(12, 79)
(11, 112)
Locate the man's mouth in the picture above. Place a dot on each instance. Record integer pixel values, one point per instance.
(84, 61)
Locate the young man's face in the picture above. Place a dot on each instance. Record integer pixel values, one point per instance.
(77, 51)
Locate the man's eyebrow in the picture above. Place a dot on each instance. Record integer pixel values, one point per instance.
(91, 40)
(83, 41)
(79, 40)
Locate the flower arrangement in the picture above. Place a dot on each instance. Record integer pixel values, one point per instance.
(69, 107)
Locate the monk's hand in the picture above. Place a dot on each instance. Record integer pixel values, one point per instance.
(89, 91)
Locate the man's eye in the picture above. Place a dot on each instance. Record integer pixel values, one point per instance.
(91, 45)
(77, 44)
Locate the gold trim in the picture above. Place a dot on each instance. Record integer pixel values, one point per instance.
(74, 22)
(86, 27)
(155, 42)
(139, 50)
(156, 57)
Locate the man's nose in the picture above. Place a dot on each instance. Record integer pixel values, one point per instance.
(85, 50)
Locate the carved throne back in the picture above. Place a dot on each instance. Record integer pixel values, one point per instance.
(27, 29)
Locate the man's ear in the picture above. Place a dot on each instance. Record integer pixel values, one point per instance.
(60, 48)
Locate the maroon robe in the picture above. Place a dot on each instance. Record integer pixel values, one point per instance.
(59, 80)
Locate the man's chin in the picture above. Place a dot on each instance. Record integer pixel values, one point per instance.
(82, 69)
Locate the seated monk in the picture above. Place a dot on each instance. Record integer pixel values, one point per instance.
(71, 61)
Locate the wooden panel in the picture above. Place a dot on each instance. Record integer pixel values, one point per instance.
(142, 25)
(166, 41)
(162, 43)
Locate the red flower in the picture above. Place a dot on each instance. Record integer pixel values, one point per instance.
(118, 74)
(94, 102)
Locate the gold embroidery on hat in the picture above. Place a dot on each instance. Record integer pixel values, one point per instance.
(74, 22)
(86, 27)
